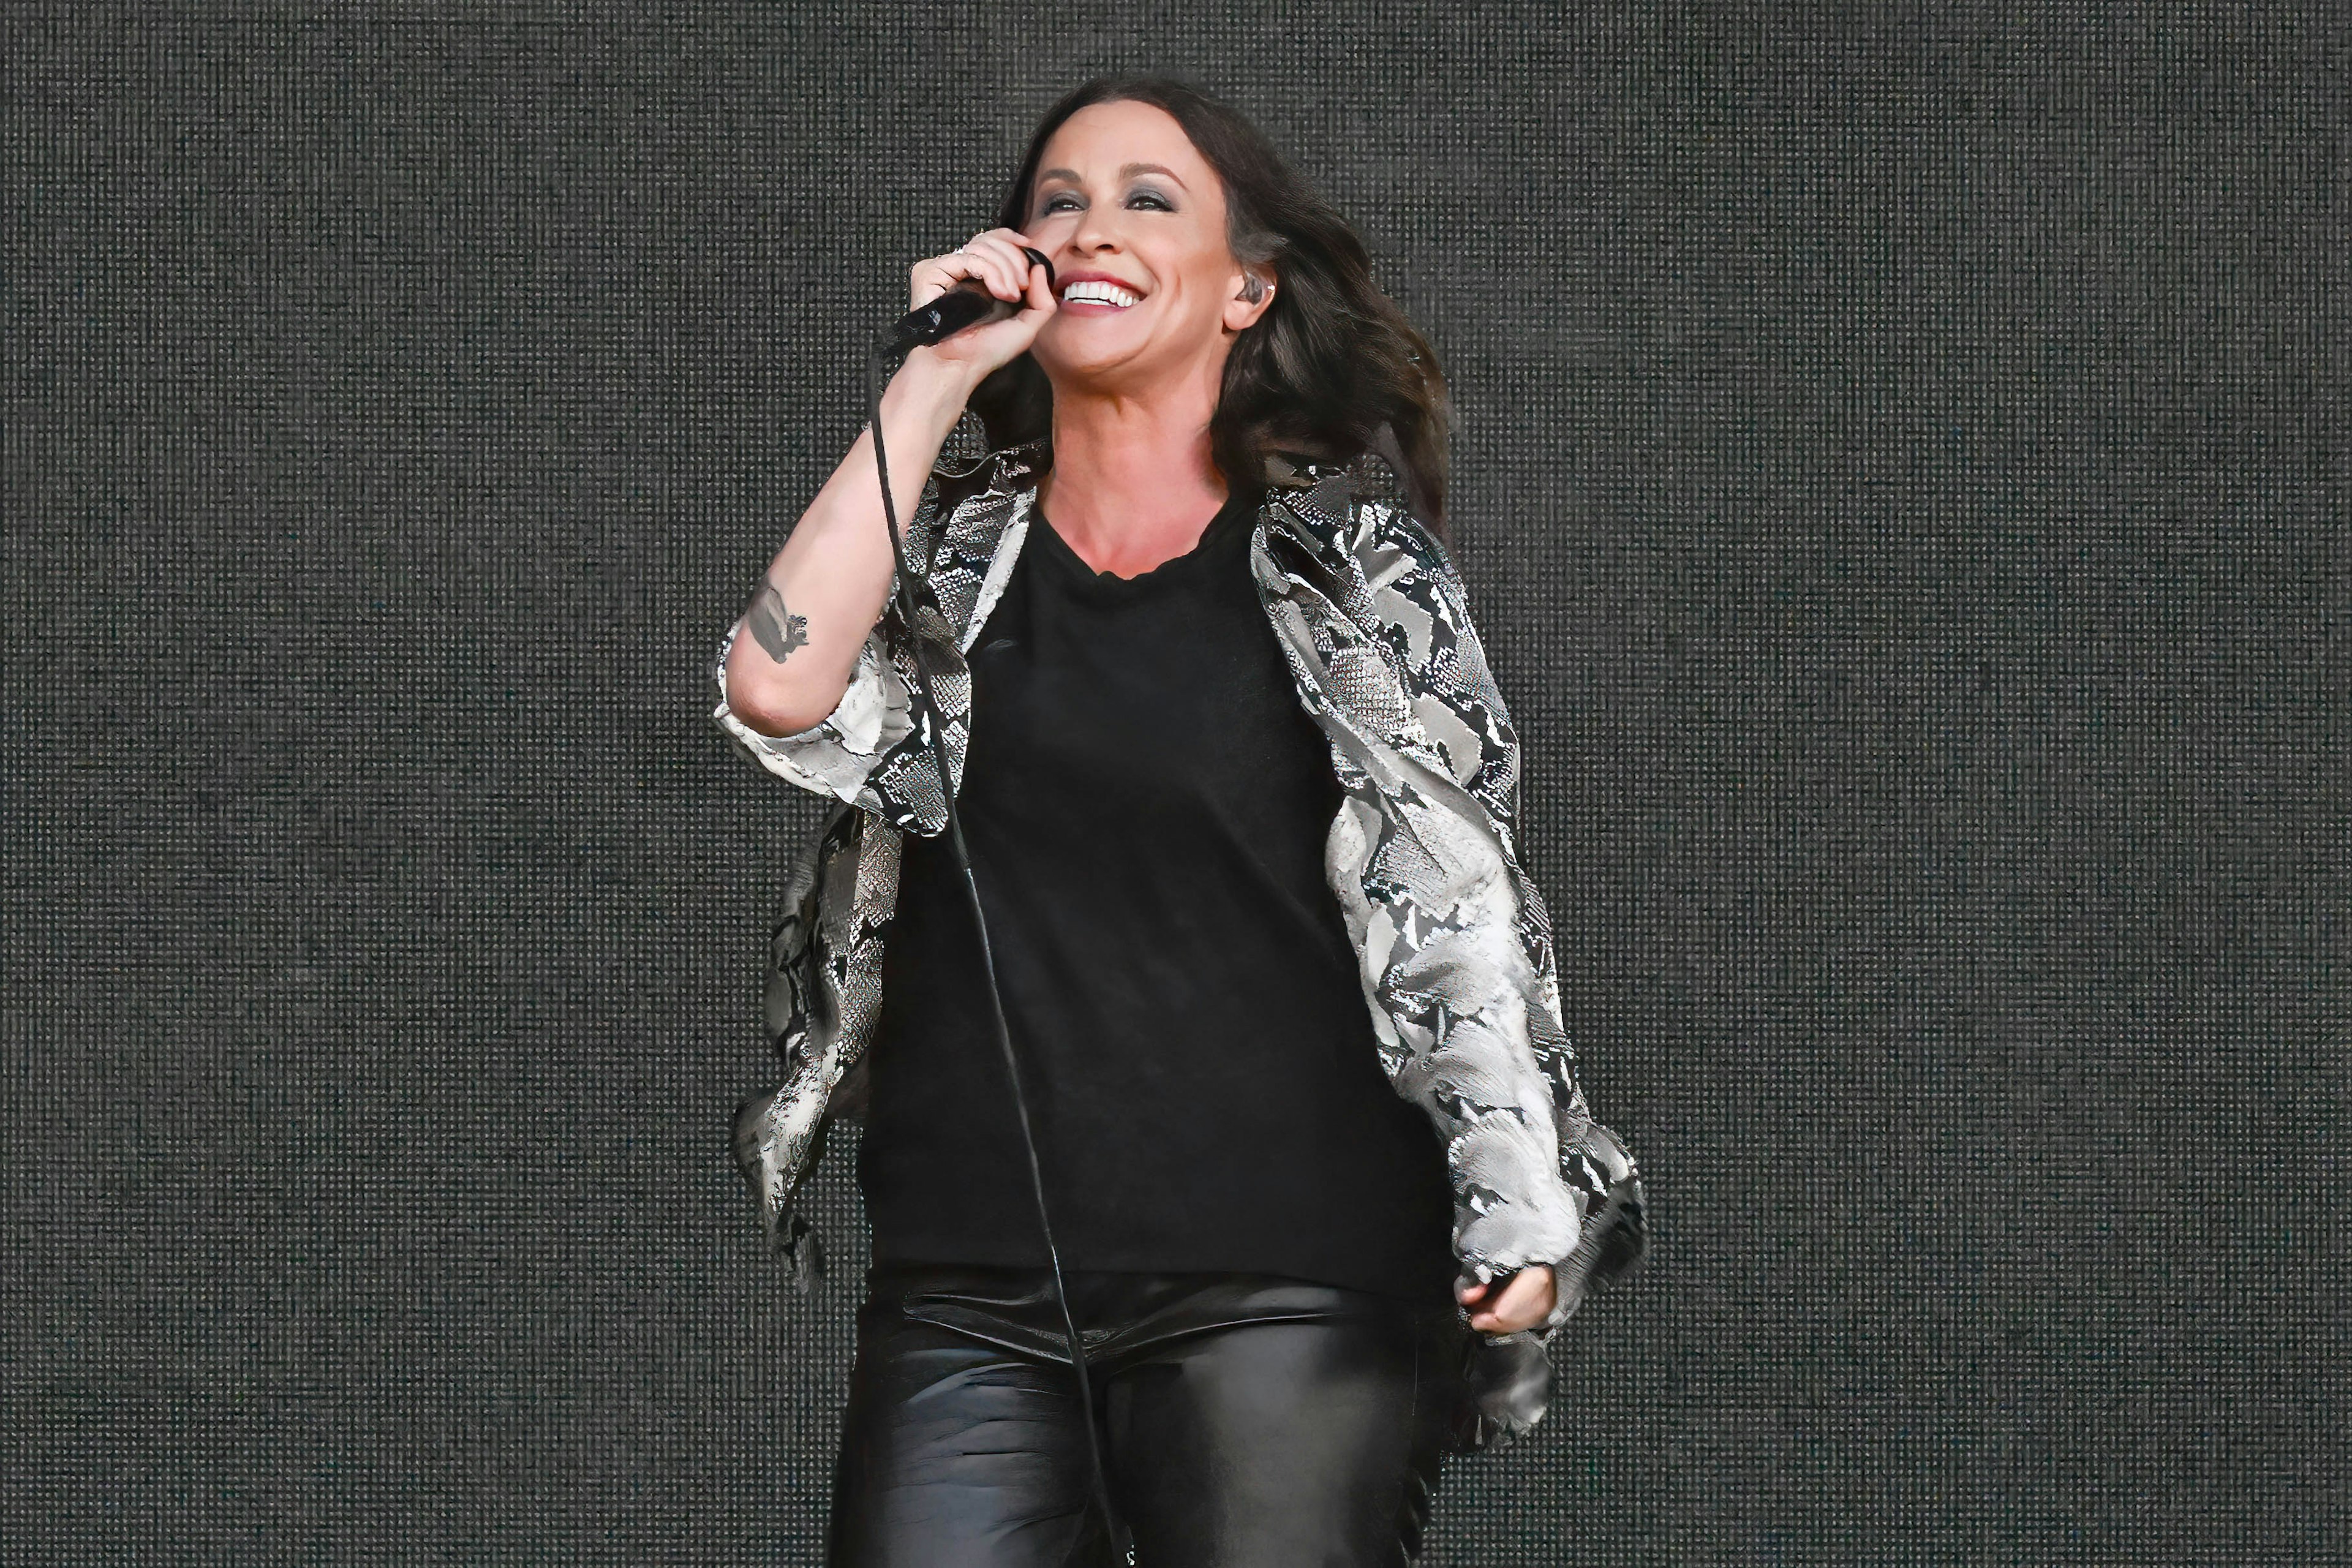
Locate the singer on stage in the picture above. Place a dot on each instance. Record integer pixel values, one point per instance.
(1240, 799)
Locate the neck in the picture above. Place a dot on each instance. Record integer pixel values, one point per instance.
(1132, 478)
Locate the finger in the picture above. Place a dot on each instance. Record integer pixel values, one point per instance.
(941, 273)
(974, 263)
(1530, 1299)
(1013, 238)
(1495, 1313)
(934, 275)
(1024, 271)
(1028, 286)
(1006, 269)
(1494, 1323)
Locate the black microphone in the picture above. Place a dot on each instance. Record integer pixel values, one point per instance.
(967, 303)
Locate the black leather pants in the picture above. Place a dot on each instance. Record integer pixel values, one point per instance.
(1246, 1420)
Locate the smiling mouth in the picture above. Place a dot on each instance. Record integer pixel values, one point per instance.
(1104, 296)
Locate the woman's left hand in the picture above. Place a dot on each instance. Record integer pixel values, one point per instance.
(1524, 1303)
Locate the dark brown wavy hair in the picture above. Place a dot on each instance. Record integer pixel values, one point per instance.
(1327, 365)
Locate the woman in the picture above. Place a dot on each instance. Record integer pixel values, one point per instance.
(1153, 620)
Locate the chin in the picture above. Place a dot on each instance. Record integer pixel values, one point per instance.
(1104, 370)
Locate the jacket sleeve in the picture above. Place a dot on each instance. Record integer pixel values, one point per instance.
(873, 750)
(837, 755)
(1425, 610)
(1426, 616)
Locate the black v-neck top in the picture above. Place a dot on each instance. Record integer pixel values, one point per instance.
(1146, 805)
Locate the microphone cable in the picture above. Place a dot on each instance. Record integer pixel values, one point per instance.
(876, 357)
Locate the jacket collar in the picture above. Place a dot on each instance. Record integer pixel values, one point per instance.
(1309, 501)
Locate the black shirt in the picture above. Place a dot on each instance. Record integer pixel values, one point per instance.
(1145, 803)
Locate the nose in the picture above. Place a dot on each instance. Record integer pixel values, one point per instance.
(1096, 230)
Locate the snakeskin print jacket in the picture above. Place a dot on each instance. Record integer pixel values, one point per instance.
(1454, 940)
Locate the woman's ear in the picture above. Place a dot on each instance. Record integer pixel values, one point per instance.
(1254, 299)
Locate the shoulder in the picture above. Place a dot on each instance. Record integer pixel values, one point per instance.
(1363, 501)
(963, 512)
(964, 475)
(1385, 532)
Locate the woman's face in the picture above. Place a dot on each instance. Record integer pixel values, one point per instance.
(1120, 193)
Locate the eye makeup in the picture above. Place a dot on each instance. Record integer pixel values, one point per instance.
(1046, 202)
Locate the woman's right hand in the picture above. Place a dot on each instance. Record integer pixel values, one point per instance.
(993, 256)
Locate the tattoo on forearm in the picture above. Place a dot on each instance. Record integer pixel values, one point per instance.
(777, 630)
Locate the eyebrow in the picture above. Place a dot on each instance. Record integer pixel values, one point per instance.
(1126, 172)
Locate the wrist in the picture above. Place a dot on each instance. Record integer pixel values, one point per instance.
(941, 386)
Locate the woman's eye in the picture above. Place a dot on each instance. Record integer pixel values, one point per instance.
(1054, 204)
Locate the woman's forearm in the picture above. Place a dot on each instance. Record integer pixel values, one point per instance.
(798, 645)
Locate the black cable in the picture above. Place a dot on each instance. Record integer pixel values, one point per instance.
(930, 716)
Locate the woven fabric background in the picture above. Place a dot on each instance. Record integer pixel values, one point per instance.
(1902, 485)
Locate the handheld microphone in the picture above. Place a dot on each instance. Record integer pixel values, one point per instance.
(967, 303)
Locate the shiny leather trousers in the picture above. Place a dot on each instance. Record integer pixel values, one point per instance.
(1246, 1420)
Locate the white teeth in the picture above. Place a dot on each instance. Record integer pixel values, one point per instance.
(1096, 293)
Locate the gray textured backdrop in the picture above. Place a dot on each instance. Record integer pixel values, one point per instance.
(1903, 482)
